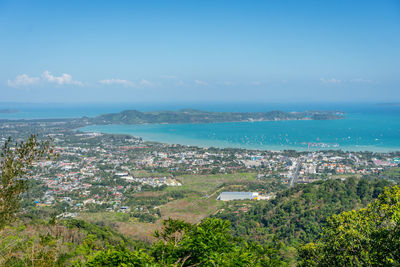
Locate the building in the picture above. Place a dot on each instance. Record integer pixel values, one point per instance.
(226, 196)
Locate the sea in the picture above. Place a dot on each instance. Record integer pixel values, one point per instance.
(366, 127)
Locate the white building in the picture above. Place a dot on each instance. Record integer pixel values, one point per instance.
(226, 196)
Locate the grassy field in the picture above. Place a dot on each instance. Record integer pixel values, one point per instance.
(207, 184)
(200, 202)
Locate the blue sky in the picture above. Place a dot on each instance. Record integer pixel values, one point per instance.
(175, 51)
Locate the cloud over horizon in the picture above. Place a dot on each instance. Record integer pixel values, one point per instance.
(361, 80)
(118, 82)
(146, 83)
(331, 81)
(24, 80)
(202, 83)
(60, 80)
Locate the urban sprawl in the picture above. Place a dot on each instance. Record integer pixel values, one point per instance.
(95, 171)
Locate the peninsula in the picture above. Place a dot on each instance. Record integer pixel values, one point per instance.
(198, 116)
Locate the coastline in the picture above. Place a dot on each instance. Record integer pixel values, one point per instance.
(172, 138)
(364, 128)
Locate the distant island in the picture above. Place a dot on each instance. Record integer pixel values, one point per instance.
(198, 116)
(8, 111)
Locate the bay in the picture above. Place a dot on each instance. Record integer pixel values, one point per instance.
(367, 126)
(357, 132)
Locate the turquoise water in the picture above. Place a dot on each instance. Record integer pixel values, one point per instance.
(369, 127)
(358, 132)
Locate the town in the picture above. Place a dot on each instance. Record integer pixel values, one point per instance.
(101, 172)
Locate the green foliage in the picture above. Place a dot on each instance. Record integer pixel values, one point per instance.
(55, 243)
(120, 257)
(298, 214)
(369, 236)
(97, 232)
(24, 247)
(15, 161)
(209, 244)
(391, 174)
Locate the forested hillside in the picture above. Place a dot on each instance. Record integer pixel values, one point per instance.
(298, 214)
(32, 242)
(365, 237)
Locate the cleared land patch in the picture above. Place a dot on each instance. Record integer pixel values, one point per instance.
(200, 201)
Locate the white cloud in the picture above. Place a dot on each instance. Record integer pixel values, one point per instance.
(361, 80)
(331, 81)
(146, 83)
(61, 80)
(202, 83)
(22, 80)
(117, 81)
(142, 83)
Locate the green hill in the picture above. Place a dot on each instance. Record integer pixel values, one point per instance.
(298, 214)
(198, 116)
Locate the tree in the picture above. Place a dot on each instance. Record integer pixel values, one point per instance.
(120, 257)
(15, 161)
(209, 243)
(369, 236)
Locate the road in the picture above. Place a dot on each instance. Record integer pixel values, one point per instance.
(296, 173)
